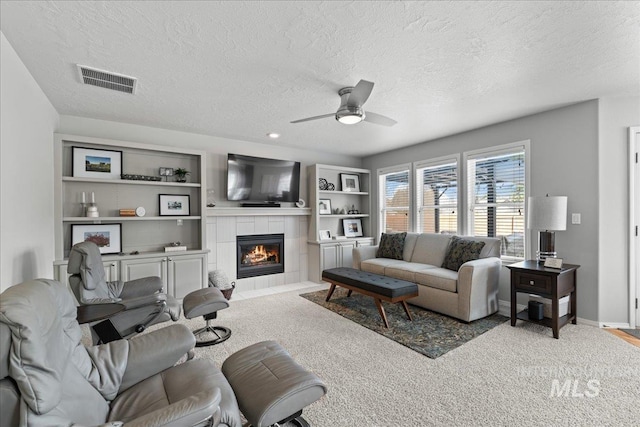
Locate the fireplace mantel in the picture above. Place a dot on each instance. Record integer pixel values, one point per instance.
(240, 211)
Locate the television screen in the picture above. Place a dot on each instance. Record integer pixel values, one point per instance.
(257, 179)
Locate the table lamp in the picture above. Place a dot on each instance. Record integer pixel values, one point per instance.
(547, 214)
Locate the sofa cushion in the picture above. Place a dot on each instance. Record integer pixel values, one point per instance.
(439, 278)
(406, 271)
(378, 265)
(430, 248)
(391, 245)
(409, 245)
(461, 251)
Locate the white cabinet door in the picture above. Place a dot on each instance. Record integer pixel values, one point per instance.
(186, 273)
(329, 256)
(346, 254)
(138, 268)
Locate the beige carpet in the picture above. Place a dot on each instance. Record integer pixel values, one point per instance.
(501, 378)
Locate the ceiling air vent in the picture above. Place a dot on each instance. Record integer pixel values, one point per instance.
(107, 79)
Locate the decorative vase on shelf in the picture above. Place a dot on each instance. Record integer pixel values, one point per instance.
(211, 201)
(181, 174)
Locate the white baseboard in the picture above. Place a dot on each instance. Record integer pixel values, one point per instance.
(504, 308)
(614, 325)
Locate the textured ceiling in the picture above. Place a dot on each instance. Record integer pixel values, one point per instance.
(243, 69)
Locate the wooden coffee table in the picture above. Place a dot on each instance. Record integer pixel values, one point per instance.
(381, 288)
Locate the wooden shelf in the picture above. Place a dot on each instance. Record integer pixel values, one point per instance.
(545, 321)
(131, 182)
(345, 216)
(350, 193)
(127, 218)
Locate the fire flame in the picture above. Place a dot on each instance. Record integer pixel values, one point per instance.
(261, 254)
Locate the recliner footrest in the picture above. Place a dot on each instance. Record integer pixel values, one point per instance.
(270, 386)
(203, 301)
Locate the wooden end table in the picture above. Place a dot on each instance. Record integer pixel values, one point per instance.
(553, 283)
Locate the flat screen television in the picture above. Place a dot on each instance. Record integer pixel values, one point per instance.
(260, 180)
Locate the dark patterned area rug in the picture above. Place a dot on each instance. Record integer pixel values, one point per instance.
(429, 333)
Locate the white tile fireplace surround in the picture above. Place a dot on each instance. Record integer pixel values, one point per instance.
(224, 224)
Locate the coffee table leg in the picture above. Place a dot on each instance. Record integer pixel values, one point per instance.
(331, 289)
(381, 311)
(349, 293)
(406, 309)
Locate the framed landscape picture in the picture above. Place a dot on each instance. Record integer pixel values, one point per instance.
(108, 237)
(94, 163)
(174, 205)
(350, 182)
(352, 227)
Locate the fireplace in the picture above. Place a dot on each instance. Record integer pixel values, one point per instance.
(259, 255)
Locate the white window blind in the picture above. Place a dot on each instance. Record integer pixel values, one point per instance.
(437, 191)
(496, 198)
(394, 200)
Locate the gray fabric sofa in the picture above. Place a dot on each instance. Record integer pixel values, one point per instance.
(467, 294)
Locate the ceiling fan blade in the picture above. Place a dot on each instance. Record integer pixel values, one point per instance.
(314, 118)
(360, 93)
(379, 119)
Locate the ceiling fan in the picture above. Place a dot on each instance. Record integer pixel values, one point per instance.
(350, 111)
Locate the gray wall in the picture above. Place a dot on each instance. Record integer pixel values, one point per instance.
(27, 123)
(563, 161)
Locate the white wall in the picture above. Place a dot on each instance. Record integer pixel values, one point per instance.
(27, 123)
(217, 149)
(616, 115)
(564, 161)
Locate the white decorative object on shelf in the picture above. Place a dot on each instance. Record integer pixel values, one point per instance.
(301, 203)
(175, 248)
(140, 211)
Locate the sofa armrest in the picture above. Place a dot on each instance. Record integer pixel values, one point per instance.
(478, 282)
(154, 352)
(362, 253)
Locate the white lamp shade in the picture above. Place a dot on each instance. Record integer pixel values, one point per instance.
(547, 213)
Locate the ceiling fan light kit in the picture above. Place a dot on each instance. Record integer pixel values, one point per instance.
(350, 111)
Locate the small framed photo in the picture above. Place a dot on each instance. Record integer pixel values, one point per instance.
(553, 263)
(350, 182)
(174, 205)
(324, 234)
(166, 172)
(108, 237)
(352, 227)
(324, 206)
(94, 163)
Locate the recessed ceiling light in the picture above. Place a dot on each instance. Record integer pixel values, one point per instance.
(273, 135)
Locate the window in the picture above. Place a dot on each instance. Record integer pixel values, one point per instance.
(496, 196)
(394, 199)
(437, 191)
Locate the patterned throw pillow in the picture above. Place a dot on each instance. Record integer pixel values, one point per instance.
(391, 245)
(461, 251)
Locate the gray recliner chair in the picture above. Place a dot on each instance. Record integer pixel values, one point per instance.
(144, 300)
(48, 378)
